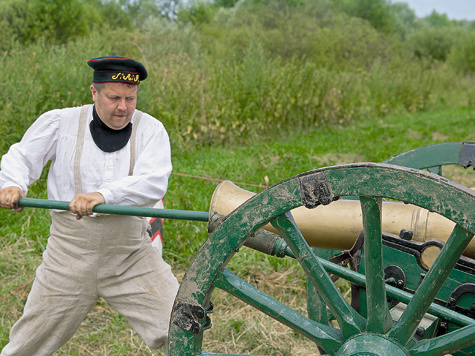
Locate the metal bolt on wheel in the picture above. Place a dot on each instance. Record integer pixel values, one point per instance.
(373, 334)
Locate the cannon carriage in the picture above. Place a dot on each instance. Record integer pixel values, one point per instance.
(408, 255)
(411, 295)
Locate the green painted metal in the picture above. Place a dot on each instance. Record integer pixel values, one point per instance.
(413, 271)
(397, 294)
(376, 181)
(369, 344)
(379, 318)
(314, 331)
(446, 344)
(316, 307)
(120, 210)
(431, 284)
(435, 155)
(350, 321)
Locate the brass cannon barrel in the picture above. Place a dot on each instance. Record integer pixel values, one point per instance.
(337, 225)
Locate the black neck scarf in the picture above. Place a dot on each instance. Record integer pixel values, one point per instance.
(107, 139)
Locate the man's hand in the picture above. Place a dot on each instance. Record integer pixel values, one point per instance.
(9, 198)
(83, 203)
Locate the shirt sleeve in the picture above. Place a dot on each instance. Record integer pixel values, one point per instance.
(153, 166)
(23, 163)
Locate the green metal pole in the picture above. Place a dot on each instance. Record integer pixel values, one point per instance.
(119, 210)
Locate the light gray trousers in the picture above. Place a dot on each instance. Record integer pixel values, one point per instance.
(105, 256)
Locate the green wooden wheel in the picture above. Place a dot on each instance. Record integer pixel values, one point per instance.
(375, 334)
(433, 157)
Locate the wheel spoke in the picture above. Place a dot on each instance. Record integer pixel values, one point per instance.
(317, 309)
(447, 343)
(379, 318)
(397, 294)
(431, 284)
(349, 320)
(324, 335)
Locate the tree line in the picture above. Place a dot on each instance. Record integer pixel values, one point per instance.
(60, 21)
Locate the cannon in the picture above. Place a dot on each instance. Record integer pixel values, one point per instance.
(409, 296)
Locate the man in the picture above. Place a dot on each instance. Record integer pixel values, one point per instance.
(108, 153)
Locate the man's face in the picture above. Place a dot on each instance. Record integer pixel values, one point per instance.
(115, 103)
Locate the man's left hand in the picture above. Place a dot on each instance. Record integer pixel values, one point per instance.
(84, 203)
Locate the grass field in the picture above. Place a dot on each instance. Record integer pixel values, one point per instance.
(238, 329)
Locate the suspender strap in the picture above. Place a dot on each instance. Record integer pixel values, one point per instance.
(79, 146)
(80, 143)
(135, 124)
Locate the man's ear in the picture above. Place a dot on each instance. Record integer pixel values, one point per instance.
(93, 92)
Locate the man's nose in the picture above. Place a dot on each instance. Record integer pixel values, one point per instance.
(122, 105)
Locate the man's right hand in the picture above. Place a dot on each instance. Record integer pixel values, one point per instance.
(9, 198)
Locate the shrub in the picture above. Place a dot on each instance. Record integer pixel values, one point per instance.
(57, 22)
(377, 12)
(434, 42)
(462, 56)
(13, 21)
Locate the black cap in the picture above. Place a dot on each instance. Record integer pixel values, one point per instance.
(117, 69)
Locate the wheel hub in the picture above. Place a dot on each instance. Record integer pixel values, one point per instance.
(371, 345)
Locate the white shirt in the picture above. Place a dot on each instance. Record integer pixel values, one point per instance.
(53, 136)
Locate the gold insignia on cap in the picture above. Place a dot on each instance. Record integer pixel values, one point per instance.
(126, 77)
